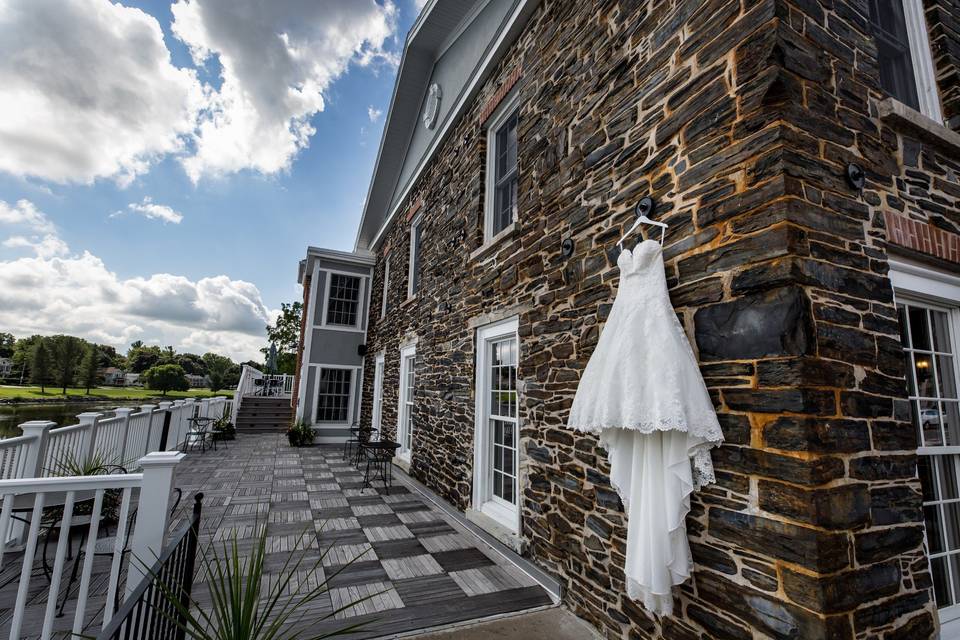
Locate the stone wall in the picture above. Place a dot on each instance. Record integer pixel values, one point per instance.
(739, 119)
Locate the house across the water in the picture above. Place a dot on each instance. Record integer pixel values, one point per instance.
(806, 157)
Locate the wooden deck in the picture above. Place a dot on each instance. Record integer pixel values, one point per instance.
(422, 568)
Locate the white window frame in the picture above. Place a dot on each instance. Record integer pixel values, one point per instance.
(496, 121)
(361, 293)
(414, 226)
(923, 70)
(924, 286)
(351, 401)
(386, 286)
(408, 351)
(376, 419)
(502, 512)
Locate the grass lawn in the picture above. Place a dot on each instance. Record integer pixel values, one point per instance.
(107, 393)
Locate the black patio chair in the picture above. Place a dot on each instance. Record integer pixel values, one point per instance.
(201, 432)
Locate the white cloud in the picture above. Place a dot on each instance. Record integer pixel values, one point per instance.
(277, 60)
(87, 91)
(47, 246)
(374, 114)
(420, 4)
(25, 214)
(54, 291)
(149, 209)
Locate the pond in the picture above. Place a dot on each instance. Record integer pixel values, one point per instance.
(11, 415)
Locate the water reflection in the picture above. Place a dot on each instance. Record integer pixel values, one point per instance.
(11, 415)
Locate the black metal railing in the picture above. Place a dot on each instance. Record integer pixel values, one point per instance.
(148, 612)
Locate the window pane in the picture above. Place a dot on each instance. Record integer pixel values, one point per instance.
(893, 50)
(934, 529)
(946, 377)
(333, 395)
(415, 240)
(952, 514)
(344, 300)
(941, 332)
(940, 581)
(904, 334)
(947, 468)
(923, 369)
(919, 336)
(950, 418)
(930, 421)
(927, 483)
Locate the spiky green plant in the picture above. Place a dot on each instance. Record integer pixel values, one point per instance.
(247, 603)
(72, 465)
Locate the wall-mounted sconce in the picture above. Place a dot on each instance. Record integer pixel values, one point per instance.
(566, 247)
(646, 207)
(856, 176)
(361, 350)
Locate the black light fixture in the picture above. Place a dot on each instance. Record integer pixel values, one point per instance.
(856, 176)
(646, 206)
(566, 247)
(361, 350)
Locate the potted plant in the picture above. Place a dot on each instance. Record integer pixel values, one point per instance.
(300, 434)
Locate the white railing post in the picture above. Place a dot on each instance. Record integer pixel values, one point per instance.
(34, 455)
(148, 409)
(176, 422)
(150, 529)
(204, 408)
(124, 414)
(88, 422)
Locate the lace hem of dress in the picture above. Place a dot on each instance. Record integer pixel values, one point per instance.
(713, 434)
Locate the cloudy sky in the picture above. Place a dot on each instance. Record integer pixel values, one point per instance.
(164, 165)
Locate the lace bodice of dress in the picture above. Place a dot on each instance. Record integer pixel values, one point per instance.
(641, 271)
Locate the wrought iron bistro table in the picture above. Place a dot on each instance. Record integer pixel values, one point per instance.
(379, 454)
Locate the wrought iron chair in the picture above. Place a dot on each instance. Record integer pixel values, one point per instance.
(199, 432)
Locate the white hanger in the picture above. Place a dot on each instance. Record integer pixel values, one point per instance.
(645, 205)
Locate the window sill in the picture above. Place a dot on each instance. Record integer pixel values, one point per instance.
(409, 301)
(502, 534)
(486, 248)
(902, 117)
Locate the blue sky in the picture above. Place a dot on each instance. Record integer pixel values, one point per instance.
(249, 223)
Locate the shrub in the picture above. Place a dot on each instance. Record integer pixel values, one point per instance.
(300, 434)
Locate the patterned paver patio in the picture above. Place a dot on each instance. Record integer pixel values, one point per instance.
(421, 567)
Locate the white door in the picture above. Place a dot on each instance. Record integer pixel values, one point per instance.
(377, 396)
(496, 445)
(408, 358)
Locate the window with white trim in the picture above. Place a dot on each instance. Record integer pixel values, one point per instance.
(929, 335)
(386, 286)
(334, 395)
(502, 169)
(343, 300)
(416, 236)
(903, 54)
(408, 361)
(496, 442)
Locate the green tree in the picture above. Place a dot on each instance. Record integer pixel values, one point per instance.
(23, 353)
(191, 363)
(141, 357)
(40, 365)
(285, 333)
(219, 371)
(90, 368)
(166, 377)
(107, 356)
(7, 341)
(65, 354)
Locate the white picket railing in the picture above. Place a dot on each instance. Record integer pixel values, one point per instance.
(24, 500)
(45, 450)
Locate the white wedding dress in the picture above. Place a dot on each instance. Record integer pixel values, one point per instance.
(643, 394)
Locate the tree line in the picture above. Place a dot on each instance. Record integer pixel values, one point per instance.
(68, 361)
